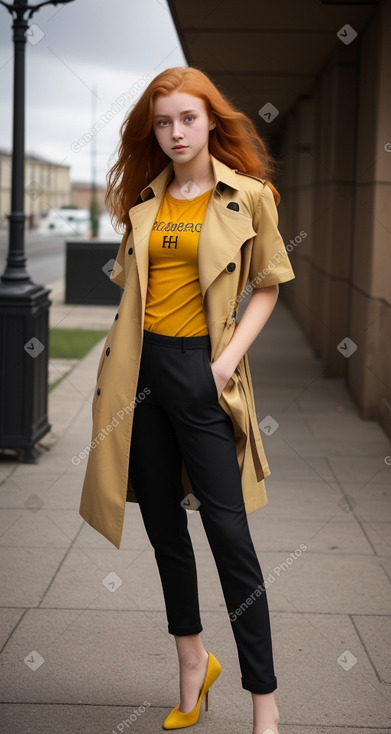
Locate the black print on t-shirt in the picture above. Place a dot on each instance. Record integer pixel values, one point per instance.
(170, 241)
(177, 227)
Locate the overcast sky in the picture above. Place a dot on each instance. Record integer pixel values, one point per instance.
(112, 46)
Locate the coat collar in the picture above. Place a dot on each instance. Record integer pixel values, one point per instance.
(222, 175)
(223, 231)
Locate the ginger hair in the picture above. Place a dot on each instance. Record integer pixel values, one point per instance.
(234, 141)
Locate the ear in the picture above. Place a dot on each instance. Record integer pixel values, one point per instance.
(212, 125)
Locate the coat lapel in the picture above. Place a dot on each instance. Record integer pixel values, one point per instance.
(223, 231)
(222, 235)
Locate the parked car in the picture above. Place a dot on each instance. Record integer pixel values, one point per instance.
(66, 221)
(76, 222)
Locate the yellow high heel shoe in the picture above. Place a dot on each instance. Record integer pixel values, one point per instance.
(177, 719)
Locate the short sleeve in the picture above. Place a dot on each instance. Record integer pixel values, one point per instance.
(269, 263)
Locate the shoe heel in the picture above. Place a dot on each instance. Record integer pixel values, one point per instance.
(206, 700)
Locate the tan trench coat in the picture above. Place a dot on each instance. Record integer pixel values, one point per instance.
(238, 243)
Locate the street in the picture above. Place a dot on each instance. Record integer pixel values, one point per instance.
(45, 255)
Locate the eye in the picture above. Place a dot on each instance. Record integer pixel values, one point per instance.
(162, 123)
(190, 117)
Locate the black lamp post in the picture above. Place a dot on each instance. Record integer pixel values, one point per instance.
(24, 305)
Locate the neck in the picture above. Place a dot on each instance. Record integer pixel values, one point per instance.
(199, 170)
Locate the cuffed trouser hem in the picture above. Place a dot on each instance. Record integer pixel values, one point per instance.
(193, 629)
(250, 685)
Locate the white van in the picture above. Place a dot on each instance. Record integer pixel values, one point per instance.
(66, 221)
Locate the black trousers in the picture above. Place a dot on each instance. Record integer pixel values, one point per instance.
(181, 418)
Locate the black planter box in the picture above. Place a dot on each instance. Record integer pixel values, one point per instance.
(88, 267)
(24, 337)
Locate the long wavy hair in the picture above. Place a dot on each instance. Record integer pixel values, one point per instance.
(233, 141)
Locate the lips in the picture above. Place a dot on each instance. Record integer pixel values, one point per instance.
(180, 147)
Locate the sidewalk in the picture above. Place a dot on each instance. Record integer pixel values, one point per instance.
(78, 657)
(66, 316)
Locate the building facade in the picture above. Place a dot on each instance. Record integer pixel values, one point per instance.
(47, 186)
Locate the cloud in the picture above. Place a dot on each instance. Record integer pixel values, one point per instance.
(109, 45)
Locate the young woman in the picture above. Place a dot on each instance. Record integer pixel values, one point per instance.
(174, 423)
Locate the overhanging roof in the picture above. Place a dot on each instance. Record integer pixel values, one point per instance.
(259, 52)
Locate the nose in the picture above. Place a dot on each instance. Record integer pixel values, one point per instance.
(176, 131)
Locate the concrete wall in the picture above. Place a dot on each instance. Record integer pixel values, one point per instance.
(335, 187)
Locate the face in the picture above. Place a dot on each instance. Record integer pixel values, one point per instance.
(181, 125)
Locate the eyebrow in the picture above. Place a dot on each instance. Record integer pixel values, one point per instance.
(184, 112)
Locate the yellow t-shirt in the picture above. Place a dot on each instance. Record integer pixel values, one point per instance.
(174, 299)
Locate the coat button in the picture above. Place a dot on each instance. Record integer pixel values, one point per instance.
(116, 317)
(98, 391)
(231, 267)
(108, 351)
(130, 251)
